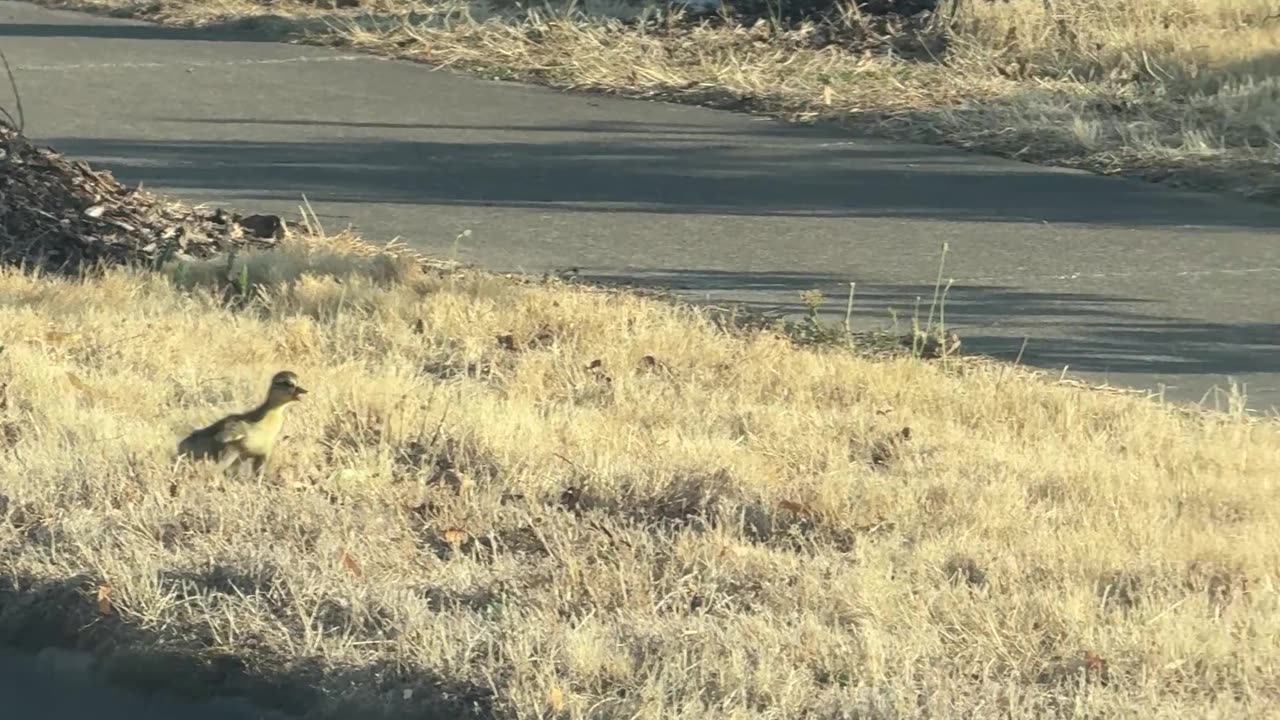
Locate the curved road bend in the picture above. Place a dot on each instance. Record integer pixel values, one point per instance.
(1119, 280)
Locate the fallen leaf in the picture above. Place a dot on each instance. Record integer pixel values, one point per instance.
(649, 362)
(795, 507)
(453, 536)
(349, 563)
(79, 384)
(555, 699)
(95, 211)
(104, 599)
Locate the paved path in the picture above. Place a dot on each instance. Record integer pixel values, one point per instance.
(1116, 279)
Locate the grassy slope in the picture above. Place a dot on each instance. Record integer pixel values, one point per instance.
(728, 530)
(1111, 87)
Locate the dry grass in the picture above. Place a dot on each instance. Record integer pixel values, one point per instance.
(551, 525)
(1183, 91)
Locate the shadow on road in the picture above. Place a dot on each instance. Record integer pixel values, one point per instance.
(1107, 336)
(664, 169)
(672, 173)
(238, 31)
(666, 131)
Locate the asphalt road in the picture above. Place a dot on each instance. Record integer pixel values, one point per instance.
(1119, 281)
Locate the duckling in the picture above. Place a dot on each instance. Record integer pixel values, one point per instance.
(246, 436)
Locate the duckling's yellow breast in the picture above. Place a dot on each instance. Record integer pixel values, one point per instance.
(259, 437)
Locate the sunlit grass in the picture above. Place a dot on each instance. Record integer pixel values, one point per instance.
(544, 501)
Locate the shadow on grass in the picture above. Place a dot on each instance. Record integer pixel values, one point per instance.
(178, 663)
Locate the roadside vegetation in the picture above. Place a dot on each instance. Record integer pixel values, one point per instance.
(1180, 91)
(528, 499)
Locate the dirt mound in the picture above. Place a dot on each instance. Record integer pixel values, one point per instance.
(61, 215)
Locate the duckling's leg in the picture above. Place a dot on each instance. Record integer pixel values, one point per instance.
(259, 461)
(228, 458)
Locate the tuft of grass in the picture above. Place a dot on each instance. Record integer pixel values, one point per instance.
(530, 499)
(1109, 87)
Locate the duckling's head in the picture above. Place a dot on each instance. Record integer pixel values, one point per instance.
(284, 389)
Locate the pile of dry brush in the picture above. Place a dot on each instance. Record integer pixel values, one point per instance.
(61, 215)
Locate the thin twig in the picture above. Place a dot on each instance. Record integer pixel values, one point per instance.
(19, 124)
(848, 311)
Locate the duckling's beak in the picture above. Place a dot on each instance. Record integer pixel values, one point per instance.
(298, 392)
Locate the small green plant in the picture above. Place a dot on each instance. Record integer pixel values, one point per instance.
(928, 340)
(813, 330)
(242, 281)
(933, 341)
(231, 264)
(237, 289)
(181, 274)
(813, 301)
(166, 254)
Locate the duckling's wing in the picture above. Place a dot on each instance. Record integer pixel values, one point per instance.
(187, 446)
(200, 442)
(232, 431)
